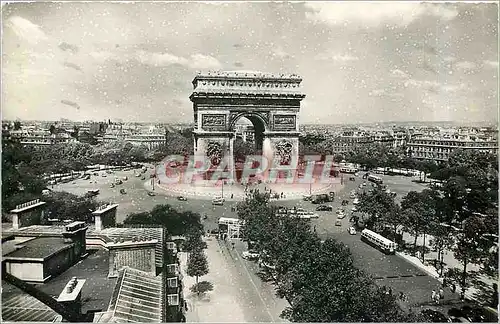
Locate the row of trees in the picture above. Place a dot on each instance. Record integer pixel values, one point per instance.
(318, 279)
(461, 215)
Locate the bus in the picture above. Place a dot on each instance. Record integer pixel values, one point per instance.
(375, 179)
(378, 241)
(348, 169)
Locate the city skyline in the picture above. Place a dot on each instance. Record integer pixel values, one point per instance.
(360, 62)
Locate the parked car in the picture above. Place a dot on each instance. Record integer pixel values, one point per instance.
(338, 222)
(112, 185)
(324, 208)
(352, 178)
(351, 230)
(345, 202)
(122, 191)
(354, 209)
(181, 198)
(151, 194)
(250, 255)
(341, 216)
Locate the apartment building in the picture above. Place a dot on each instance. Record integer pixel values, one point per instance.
(150, 136)
(438, 147)
(34, 136)
(350, 140)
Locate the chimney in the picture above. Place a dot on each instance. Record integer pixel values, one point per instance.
(29, 213)
(76, 233)
(105, 216)
(71, 296)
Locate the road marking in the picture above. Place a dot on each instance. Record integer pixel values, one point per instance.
(255, 286)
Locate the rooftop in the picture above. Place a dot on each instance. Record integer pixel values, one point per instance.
(96, 293)
(136, 297)
(20, 307)
(39, 248)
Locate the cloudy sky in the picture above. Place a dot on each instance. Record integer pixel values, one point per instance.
(360, 62)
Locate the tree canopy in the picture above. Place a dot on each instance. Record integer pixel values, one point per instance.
(318, 278)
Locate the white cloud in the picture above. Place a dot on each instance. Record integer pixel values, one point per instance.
(466, 65)
(434, 86)
(195, 61)
(400, 74)
(200, 61)
(26, 30)
(336, 57)
(491, 64)
(159, 59)
(373, 14)
(280, 52)
(101, 56)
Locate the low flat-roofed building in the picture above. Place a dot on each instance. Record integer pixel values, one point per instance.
(38, 258)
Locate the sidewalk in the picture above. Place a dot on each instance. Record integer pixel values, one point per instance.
(222, 304)
(474, 293)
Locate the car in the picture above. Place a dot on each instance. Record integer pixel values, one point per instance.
(351, 230)
(324, 208)
(352, 196)
(354, 209)
(125, 178)
(355, 201)
(143, 178)
(341, 216)
(151, 194)
(181, 198)
(352, 178)
(338, 222)
(112, 185)
(307, 197)
(217, 202)
(250, 255)
(345, 202)
(122, 191)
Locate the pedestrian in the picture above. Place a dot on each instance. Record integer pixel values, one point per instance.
(232, 196)
(433, 296)
(390, 291)
(441, 293)
(453, 288)
(232, 243)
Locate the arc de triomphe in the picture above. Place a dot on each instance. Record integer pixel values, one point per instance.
(270, 102)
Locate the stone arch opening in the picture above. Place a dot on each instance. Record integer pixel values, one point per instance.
(248, 137)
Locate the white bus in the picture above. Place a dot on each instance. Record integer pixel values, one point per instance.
(375, 179)
(385, 245)
(348, 169)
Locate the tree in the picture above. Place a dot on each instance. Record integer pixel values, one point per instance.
(17, 125)
(194, 241)
(421, 213)
(67, 206)
(377, 204)
(52, 129)
(197, 265)
(318, 279)
(176, 223)
(471, 246)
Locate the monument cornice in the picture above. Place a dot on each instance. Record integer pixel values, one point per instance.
(245, 95)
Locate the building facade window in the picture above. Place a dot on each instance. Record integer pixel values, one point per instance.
(172, 282)
(173, 299)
